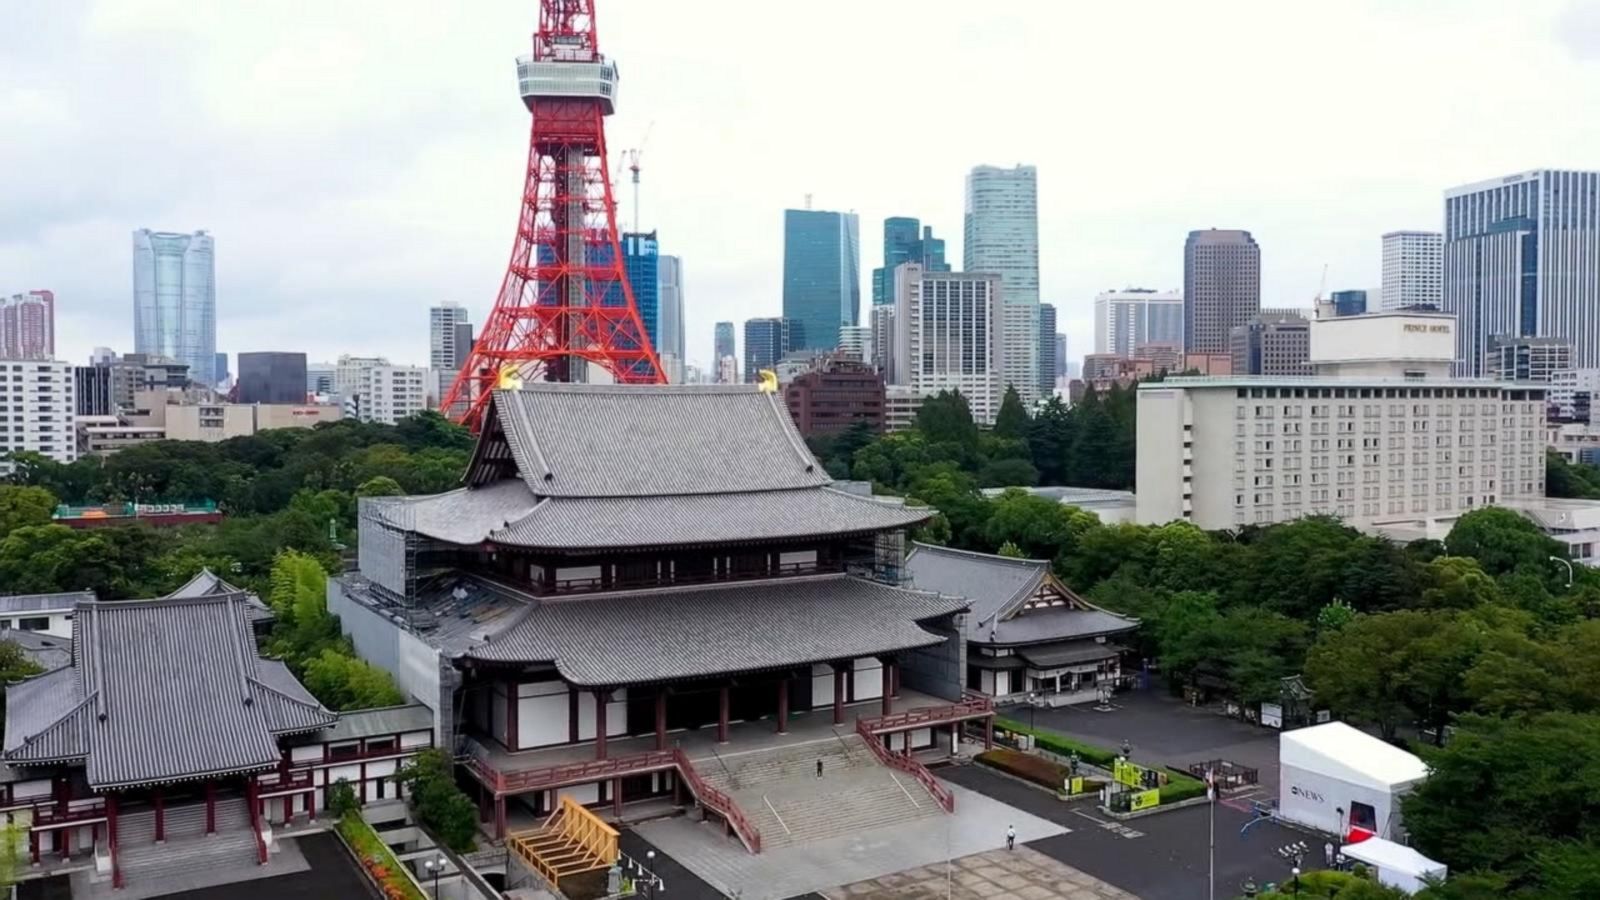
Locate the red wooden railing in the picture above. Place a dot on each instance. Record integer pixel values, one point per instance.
(718, 802)
(550, 777)
(905, 763)
(255, 821)
(570, 773)
(969, 707)
(50, 814)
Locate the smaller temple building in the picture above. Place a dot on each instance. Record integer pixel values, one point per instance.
(1027, 633)
(164, 709)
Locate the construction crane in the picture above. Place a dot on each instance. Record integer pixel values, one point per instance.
(633, 156)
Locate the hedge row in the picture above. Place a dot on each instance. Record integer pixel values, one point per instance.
(1060, 744)
(1180, 785)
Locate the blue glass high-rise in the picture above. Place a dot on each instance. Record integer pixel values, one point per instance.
(175, 300)
(641, 256)
(905, 240)
(821, 275)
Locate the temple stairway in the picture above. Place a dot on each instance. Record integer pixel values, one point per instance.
(780, 793)
(189, 854)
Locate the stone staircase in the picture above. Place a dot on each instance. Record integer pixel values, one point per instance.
(188, 854)
(781, 795)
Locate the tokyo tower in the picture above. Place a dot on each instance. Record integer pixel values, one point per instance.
(565, 305)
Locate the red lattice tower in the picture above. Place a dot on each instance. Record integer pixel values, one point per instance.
(565, 303)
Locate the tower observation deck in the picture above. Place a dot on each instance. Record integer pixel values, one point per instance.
(566, 311)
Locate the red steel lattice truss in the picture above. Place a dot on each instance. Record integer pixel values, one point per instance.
(565, 301)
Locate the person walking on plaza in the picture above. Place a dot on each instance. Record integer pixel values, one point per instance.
(1327, 853)
(819, 767)
(1011, 838)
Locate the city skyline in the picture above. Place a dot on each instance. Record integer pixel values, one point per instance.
(390, 236)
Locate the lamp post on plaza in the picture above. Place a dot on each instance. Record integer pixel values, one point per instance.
(1296, 873)
(1033, 703)
(650, 873)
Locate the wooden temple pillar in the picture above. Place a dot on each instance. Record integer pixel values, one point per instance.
(722, 714)
(33, 846)
(511, 716)
(616, 797)
(661, 719)
(600, 698)
(111, 839)
(988, 733)
(783, 706)
(573, 698)
(161, 815)
(889, 679)
(838, 694)
(499, 817)
(211, 807)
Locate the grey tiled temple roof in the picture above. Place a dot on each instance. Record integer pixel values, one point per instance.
(589, 440)
(47, 650)
(995, 585)
(208, 584)
(999, 588)
(641, 636)
(22, 604)
(600, 467)
(160, 690)
(374, 723)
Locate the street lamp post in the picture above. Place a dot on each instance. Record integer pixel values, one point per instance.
(1033, 703)
(1296, 873)
(1568, 564)
(650, 876)
(435, 867)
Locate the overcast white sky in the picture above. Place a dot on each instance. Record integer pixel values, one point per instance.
(359, 160)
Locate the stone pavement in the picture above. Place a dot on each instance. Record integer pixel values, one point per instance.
(978, 824)
(1022, 874)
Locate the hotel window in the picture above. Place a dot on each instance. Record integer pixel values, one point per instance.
(34, 623)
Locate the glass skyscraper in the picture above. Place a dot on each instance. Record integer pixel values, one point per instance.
(1520, 261)
(1001, 232)
(175, 300)
(641, 256)
(670, 309)
(765, 342)
(905, 240)
(821, 276)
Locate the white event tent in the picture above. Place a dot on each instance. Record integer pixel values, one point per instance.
(1339, 780)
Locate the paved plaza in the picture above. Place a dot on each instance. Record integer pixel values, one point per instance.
(1166, 731)
(978, 825)
(1022, 874)
(1158, 857)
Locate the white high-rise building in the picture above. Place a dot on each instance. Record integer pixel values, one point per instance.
(449, 345)
(175, 300)
(350, 373)
(857, 341)
(883, 337)
(40, 396)
(1413, 269)
(388, 394)
(1125, 319)
(947, 336)
(1380, 434)
(1001, 235)
(1522, 259)
(669, 279)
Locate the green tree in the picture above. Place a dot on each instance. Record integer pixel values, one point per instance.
(1456, 582)
(1504, 794)
(343, 682)
(22, 506)
(1008, 473)
(1011, 550)
(380, 486)
(1012, 420)
(1040, 526)
(1502, 540)
(429, 777)
(1360, 670)
(947, 418)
